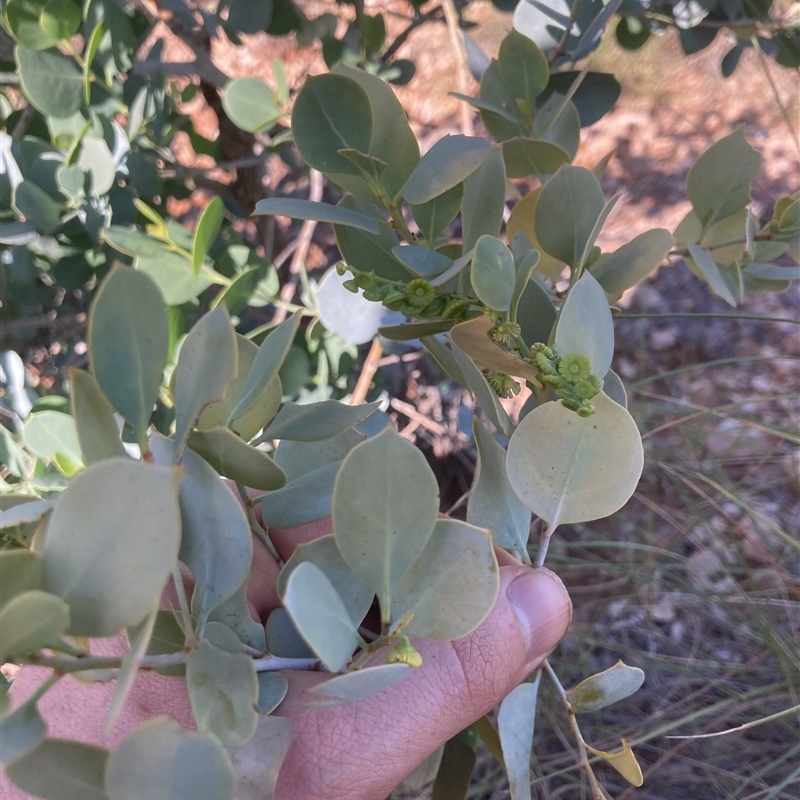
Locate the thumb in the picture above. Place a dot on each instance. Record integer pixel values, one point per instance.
(362, 750)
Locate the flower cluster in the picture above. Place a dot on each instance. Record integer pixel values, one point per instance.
(503, 385)
(416, 299)
(570, 376)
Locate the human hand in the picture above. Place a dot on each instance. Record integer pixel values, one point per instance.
(362, 750)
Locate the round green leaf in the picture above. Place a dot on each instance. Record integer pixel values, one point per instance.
(216, 542)
(605, 688)
(332, 112)
(60, 769)
(522, 219)
(515, 722)
(271, 355)
(249, 16)
(476, 382)
(38, 208)
(524, 157)
(379, 530)
(559, 122)
(96, 427)
(371, 252)
(421, 260)
(566, 212)
(30, 621)
(206, 368)
(23, 22)
(252, 421)
(493, 273)
(304, 499)
(324, 553)
(223, 690)
(392, 139)
(174, 276)
(594, 97)
(320, 615)
(250, 104)
(234, 613)
(435, 215)
(483, 204)
(111, 543)
(272, 688)
(283, 638)
(51, 432)
(208, 226)
(129, 343)
(359, 684)
(585, 324)
(237, 460)
(21, 731)
(316, 421)
(257, 763)
(24, 514)
(96, 159)
(322, 212)
(632, 262)
(492, 502)
(718, 184)
(568, 469)
(447, 163)
(60, 19)
(451, 588)
(161, 759)
(523, 67)
(20, 571)
(632, 33)
(300, 458)
(51, 81)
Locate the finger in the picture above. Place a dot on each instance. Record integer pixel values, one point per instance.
(287, 539)
(364, 749)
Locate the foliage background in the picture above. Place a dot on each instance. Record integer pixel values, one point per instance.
(693, 580)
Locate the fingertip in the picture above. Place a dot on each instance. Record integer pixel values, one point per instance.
(542, 608)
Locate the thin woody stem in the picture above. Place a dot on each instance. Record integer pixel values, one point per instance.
(64, 666)
(597, 792)
(255, 527)
(544, 543)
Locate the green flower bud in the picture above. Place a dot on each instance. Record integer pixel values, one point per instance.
(574, 367)
(455, 308)
(394, 299)
(419, 293)
(404, 653)
(351, 285)
(376, 295)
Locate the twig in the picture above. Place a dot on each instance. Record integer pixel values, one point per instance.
(413, 414)
(460, 52)
(10, 328)
(597, 792)
(67, 666)
(746, 726)
(183, 602)
(272, 663)
(258, 530)
(205, 70)
(301, 249)
(401, 38)
(544, 543)
(25, 119)
(367, 373)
